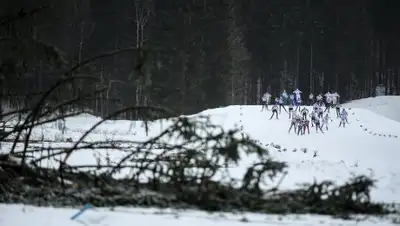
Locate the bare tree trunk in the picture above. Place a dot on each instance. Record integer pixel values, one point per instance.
(245, 92)
(142, 13)
(101, 105)
(296, 81)
(258, 98)
(239, 56)
(311, 70)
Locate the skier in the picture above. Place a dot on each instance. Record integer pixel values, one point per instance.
(325, 121)
(266, 98)
(280, 102)
(313, 116)
(306, 125)
(277, 100)
(328, 101)
(291, 107)
(298, 103)
(294, 122)
(338, 106)
(300, 130)
(304, 113)
(319, 99)
(310, 99)
(284, 97)
(320, 112)
(292, 99)
(343, 118)
(274, 112)
(318, 125)
(297, 92)
(315, 107)
(335, 98)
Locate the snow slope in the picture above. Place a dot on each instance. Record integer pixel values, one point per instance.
(368, 145)
(388, 106)
(18, 215)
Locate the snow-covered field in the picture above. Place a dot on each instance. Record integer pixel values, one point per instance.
(368, 145)
(19, 215)
(387, 106)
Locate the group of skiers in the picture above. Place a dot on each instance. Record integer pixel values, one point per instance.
(301, 118)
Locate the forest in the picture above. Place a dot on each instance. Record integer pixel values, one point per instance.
(197, 54)
(152, 59)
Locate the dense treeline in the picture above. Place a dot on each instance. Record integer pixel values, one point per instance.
(192, 55)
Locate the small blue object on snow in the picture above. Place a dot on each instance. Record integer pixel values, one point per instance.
(81, 211)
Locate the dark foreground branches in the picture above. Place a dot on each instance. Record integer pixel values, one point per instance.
(187, 165)
(191, 163)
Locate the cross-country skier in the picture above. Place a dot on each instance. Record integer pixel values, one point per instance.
(310, 99)
(277, 100)
(280, 102)
(292, 99)
(304, 113)
(315, 107)
(335, 98)
(320, 112)
(306, 125)
(300, 129)
(345, 115)
(294, 122)
(291, 107)
(274, 111)
(284, 97)
(325, 121)
(298, 103)
(343, 118)
(318, 125)
(337, 107)
(266, 99)
(313, 116)
(328, 101)
(319, 99)
(297, 92)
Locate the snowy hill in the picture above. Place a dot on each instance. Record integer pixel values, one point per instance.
(387, 106)
(368, 145)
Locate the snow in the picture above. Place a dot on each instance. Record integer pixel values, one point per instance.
(368, 145)
(19, 215)
(388, 106)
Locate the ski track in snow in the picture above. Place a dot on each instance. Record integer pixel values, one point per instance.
(368, 145)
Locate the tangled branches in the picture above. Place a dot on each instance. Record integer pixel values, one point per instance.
(190, 163)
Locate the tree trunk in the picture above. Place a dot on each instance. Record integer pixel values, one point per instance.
(239, 55)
